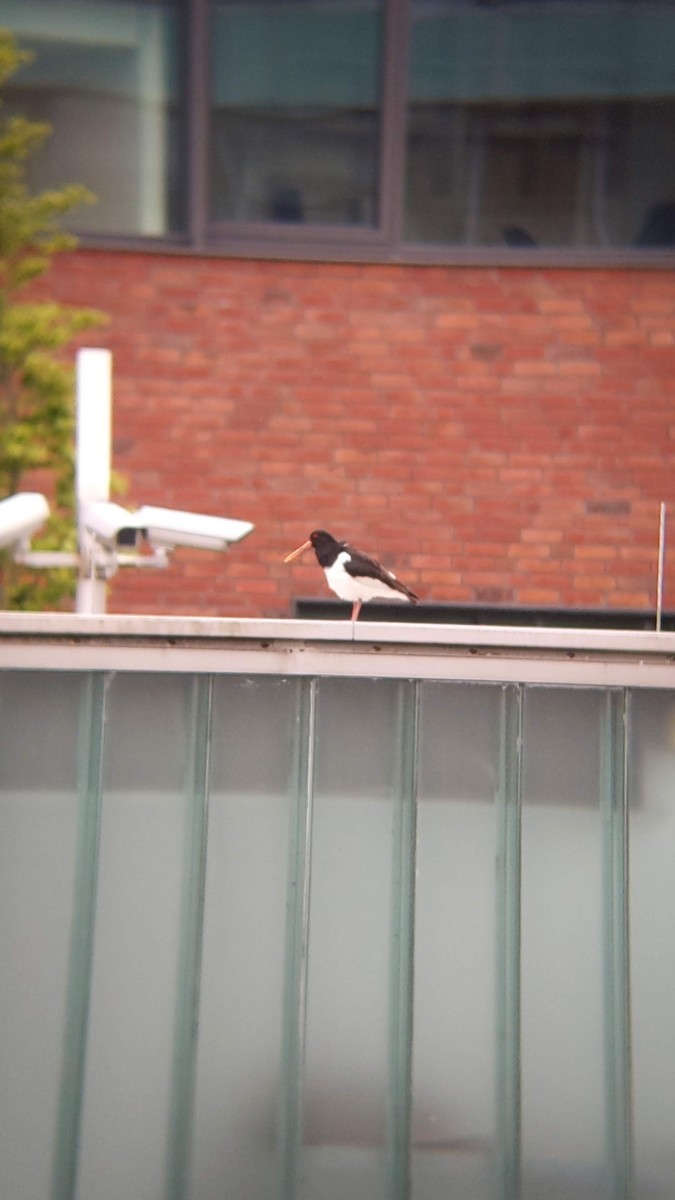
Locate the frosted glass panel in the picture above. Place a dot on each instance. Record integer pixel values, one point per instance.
(346, 1076)
(39, 718)
(562, 955)
(237, 1098)
(131, 1027)
(652, 915)
(454, 1042)
(345, 1064)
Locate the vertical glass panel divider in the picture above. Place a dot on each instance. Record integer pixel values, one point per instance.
(294, 1004)
(508, 897)
(190, 938)
(394, 116)
(614, 804)
(402, 948)
(89, 785)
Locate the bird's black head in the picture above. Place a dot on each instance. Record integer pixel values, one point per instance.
(325, 546)
(321, 538)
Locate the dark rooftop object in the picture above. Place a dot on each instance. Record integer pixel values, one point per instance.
(486, 614)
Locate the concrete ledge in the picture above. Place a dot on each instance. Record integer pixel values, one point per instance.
(173, 631)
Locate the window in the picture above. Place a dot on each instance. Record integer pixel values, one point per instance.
(295, 111)
(414, 130)
(105, 76)
(536, 123)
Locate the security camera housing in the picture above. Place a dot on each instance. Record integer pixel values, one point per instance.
(21, 516)
(115, 527)
(170, 527)
(111, 524)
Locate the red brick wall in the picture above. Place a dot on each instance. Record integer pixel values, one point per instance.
(492, 434)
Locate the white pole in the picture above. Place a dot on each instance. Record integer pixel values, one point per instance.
(659, 575)
(93, 441)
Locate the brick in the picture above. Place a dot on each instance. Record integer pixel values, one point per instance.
(580, 368)
(537, 596)
(534, 367)
(557, 305)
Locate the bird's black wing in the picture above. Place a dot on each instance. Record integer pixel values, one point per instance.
(360, 564)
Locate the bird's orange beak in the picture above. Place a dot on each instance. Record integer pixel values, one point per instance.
(296, 553)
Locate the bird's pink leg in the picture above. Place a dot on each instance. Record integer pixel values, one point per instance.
(356, 609)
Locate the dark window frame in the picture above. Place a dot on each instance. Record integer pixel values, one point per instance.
(382, 244)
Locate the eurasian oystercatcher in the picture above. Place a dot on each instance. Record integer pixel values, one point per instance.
(351, 574)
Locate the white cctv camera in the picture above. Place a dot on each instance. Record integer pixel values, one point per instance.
(170, 527)
(116, 528)
(111, 524)
(21, 516)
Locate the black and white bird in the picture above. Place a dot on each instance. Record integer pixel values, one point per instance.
(351, 574)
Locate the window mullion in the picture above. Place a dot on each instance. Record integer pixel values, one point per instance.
(394, 119)
(198, 69)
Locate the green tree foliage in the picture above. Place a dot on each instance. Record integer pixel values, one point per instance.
(36, 385)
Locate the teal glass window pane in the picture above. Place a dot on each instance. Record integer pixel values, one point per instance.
(348, 984)
(652, 920)
(454, 1045)
(563, 1065)
(539, 124)
(105, 77)
(295, 107)
(39, 727)
(132, 1013)
(235, 1146)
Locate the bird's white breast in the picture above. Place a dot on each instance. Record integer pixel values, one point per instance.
(361, 588)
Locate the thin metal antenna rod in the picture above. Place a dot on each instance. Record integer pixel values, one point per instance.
(662, 555)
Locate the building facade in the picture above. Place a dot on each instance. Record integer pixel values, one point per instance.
(400, 270)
